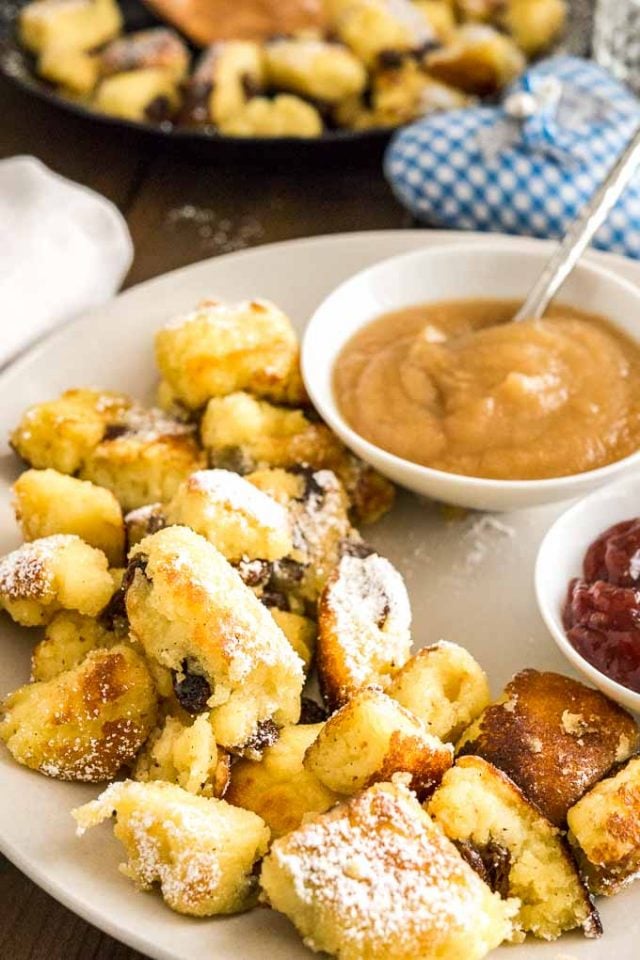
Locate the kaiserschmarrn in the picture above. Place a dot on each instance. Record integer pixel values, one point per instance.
(220, 646)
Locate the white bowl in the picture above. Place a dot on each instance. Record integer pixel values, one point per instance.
(560, 559)
(494, 269)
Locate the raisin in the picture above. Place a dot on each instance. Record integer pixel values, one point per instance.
(471, 855)
(382, 616)
(139, 562)
(115, 612)
(391, 59)
(429, 46)
(277, 599)
(349, 547)
(491, 861)
(286, 573)
(192, 692)
(497, 862)
(113, 431)
(312, 712)
(116, 609)
(195, 105)
(156, 522)
(250, 87)
(233, 458)
(313, 490)
(266, 735)
(592, 926)
(158, 110)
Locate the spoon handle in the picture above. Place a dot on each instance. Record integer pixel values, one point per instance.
(581, 232)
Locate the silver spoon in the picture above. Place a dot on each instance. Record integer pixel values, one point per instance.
(580, 233)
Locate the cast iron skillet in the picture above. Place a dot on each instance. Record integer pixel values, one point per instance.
(334, 146)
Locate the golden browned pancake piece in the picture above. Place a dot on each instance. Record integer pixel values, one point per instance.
(370, 739)
(376, 879)
(514, 849)
(604, 830)
(554, 737)
(279, 788)
(205, 21)
(201, 852)
(364, 627)
(85, 723)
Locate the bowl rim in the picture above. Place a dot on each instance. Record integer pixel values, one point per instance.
(330, 412)
(552, 618)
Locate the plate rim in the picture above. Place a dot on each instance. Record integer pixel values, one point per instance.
(615, 261)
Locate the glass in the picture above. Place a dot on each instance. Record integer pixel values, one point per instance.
(616, 39)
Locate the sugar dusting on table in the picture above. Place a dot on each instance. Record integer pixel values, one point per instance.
(484, 535)
(215, 232)
(478, 538)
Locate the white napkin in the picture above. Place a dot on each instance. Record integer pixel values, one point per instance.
(63, 249)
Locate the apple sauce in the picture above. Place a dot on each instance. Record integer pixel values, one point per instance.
(455, 386)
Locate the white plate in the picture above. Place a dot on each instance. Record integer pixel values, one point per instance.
(470, 581)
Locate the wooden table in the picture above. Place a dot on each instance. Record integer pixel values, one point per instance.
(179, 210)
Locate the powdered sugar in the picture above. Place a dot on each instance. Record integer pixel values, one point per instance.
(368, 591)
(406, 13)
(165, 851)
(214, 231)
(576, 724)
(232, 318)
(151, 47)
(153, 424)
(369, 619)
(181, 842)
(213, 618)
(238, 494)
(482, 535)
(26, 573)
(52, 7)
(297, 54)
(377, 871)
(319, 518)
(95, 759)
(142, 515)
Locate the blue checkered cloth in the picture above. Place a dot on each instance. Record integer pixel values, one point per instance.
(485, 169)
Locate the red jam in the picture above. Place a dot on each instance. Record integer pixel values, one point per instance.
(602, 610)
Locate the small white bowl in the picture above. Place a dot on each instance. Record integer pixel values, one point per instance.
(560, 559)
(444, 273)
